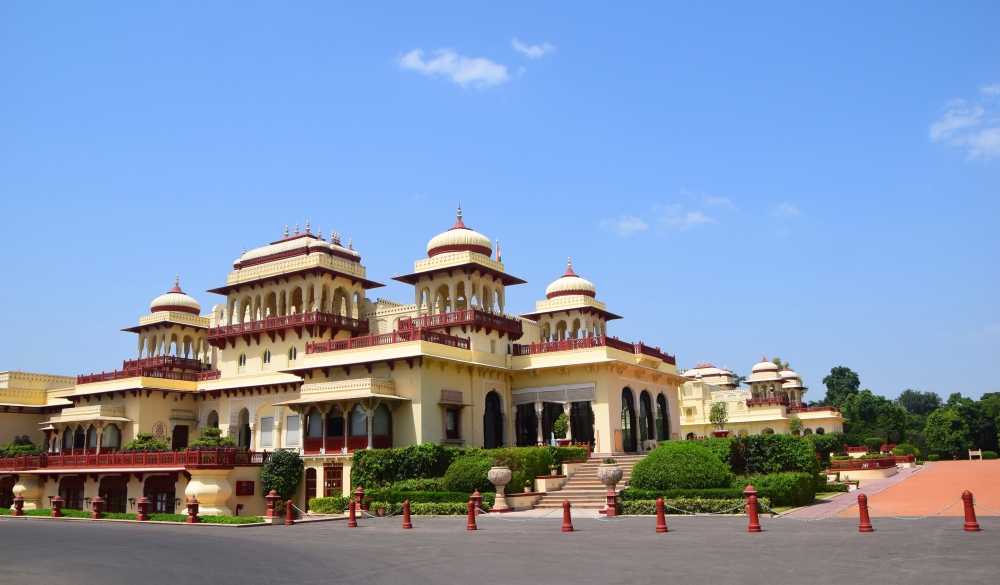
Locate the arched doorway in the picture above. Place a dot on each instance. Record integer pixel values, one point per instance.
(71, 491)
(581, 423)
(310, 483)
(6, 491)
(690, 437)
(113, 489)
(493, 421)
(213, 419)
(628, 421)
(527, 424)
(243, 424)
(647, 430)
(662, 418)
(161, 492)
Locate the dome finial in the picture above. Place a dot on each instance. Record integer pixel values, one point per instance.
(307, 226)
(286, 230)
(459, 212)
(296, 228)
(177, 280)
(763, 357)
(319, 233)
(350, 243)
(569, 267)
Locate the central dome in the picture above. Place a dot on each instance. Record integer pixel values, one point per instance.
(175, 300)
(460, 239)
(570, 284)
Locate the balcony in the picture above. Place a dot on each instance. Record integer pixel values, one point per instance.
(594, 341)
(387, 339)
(470, 317)
(208, 459)
(153, 367)
(142, 373)
(335, 445)
(796, 409)
(771, 400)
(209, 375)
(278, 326)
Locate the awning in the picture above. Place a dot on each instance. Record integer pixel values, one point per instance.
(57, 420)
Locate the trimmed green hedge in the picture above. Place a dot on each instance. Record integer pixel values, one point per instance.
(429, 484)
(331, 505)
(467, 475)
(696, 505)
(439, 509)
(989, 454)
(680, 465)
(784, 489)
(706, 494)
(835, 487)
(394, 497)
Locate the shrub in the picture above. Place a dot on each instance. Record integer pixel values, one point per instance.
(282, 473)
(525, 463)
(836, 487)
(989, 454)
(467, 475)
(768, 454)
(722, 448)
(718, 415)
(826, 444)
(561, 426)
(705, 494)
(680, 465)
(874, 444)
(442, 509)
(394, 498)
(330, 505)
(795, 425)
(146, 442)
(906, 449)
(695, 505)
(211, 438)
(430, 484)
(20, 445)
(933, 457)
(563, 454)
(784, 489)
(373, 468)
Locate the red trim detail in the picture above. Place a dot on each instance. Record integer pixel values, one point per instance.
(173, 308)
(566, 293)
(460, 248)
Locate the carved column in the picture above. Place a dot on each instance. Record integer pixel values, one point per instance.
(538, 420)
(567, 407)
(370, 414)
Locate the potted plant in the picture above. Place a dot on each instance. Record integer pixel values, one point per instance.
(561, 428)
(381, 508)
(719, 416)
(527, 486)
(609, 473)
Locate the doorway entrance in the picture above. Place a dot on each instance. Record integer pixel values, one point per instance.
(493, 421)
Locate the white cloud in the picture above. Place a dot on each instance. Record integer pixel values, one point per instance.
(476, 71)
(708, 198)
(531, 51)
(972, 127)
(674, 216)
(625, 225)
(785, 209)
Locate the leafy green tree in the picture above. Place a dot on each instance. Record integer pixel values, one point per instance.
(282, 473)
(718, 415)
(795, 425)
(21, 445)
(211, 438)
(947, 431)
(146, 442)
(841, 383)
(737, 379)
(872, 416)
(919, 403)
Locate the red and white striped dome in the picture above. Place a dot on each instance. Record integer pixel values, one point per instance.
(175, 300)
(460, 238)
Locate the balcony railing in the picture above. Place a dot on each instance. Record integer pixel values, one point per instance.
(849, 464)
(475, 317)
(782, 400)
(164, 361)
(795, 409)
(387, 339)
(335, 445)
(162, 366)
(272, 324)
(594, 341)
(140, 373)
(188, 459)
(209, 375)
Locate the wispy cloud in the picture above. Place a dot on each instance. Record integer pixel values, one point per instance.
(478, 72)
(531, 51)
(974, 127)
(785, 209)
(708, 198)
(625, 225)
(673, 216)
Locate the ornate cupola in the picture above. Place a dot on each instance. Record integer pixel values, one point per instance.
(571, 309)
(174, 328)
(570, 284)
(710, 374)
(459, 239)
(792, 384)
(175, 300)
(766, 383)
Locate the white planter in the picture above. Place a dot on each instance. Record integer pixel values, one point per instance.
(609, 474)
(499, 476)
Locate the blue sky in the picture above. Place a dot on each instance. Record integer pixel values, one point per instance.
(818, 182)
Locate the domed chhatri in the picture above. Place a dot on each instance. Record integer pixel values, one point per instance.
(460, 238)
(175, 300)
(570, 284)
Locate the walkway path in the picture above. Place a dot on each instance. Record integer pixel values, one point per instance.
(843, 502)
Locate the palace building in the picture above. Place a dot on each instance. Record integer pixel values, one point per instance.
(298, 356)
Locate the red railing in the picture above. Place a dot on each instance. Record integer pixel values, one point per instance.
(855, 449)
(151, 367)
(769, 400)
(904, 459)
(594, 341)
(287, 322)
(381, 441)
(312, 445)
(463, 317)
(795, 409)
(142, 372)
(164, 361)
(195, 459)
(387, 339)
(356, 443)
(860, 463)
(209, 375)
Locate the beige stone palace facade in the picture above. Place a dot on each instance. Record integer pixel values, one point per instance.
(297, 355)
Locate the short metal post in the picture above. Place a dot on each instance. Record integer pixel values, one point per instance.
(359, 497)
(865, 523)
(406, 516)
(567, 521)
(289, 514)
(970, 513)
(272, 498)
(477, 500)
(661, 519)
(751, 508)
(352, 519)
(143, 505)
(471, 524)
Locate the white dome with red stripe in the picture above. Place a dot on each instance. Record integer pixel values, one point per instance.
(460, 238)
(175, 300)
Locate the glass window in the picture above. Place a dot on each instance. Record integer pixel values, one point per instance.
(67, 439)
(359, 422)
(266, 431)
(92, 437)
(451, 423)
(111, 438)
(267, 356)
(315, 422)
(292, 429)
(381, 425)
(242, 361)
(292, 354)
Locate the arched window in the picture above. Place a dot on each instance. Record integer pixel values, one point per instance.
(646, 426)
(67, 439)
(242, 360)
(292, 354)
(628, 421)
(820, 431)
(662, 418)
(111, 438)
(807, 432)
(243, 424)
(92, 437)
(493, 421)
(213, 419)
(314, 424)
(359, 421)
(267, 356)
(382, 423)
(690, 436)
(79, 438)
(767, 431)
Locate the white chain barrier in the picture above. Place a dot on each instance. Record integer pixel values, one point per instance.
(498, 516)
(915, 517)
(983, 507)
(819, 518)
(615, 518)
(397, 511)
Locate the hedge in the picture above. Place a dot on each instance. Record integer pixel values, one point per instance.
(836, 487)
(467, 475)
(439, 509)
(395, 497)
(989, 454)
(784, 489)
(696, 505)
(680, 465)
(331, 505)
(705, 494)
(380, 467)
(429, 484)
(826, 444)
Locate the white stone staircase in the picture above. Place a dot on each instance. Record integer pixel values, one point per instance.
(583, 489)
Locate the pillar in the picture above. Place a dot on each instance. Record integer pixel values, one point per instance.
(538, 419)
(322, 445)
(370, 415)
(567, 407)
(347, 428)
(212, 489)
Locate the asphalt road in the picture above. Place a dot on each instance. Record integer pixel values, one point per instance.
(709, 550)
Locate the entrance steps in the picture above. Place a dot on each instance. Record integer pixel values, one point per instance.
(583, 489)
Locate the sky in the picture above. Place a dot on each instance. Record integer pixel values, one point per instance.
(814, 181)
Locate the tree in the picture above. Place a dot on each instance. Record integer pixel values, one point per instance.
(21, 445)
(719, 415)
(561, 426)
(795, 425)
(841, 383)
(282, 473)
(737, 379)
(146, 442)
(920, 403)
(781, 365)
(211, 438)
(872, 416)
(947, 432)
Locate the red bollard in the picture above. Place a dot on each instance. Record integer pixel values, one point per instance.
(751, 508)
(471, 525)
(970, 513)
(406, 516)
(97, 508)
(359, 497)
(477, 500)
(567, 521)
(57, 504)
(289, 514)
(661, 520)
(192, 507)
(18, 506)
(611, 503)
(143, 505)
(352, 520)
(865, 524)
(272, 499)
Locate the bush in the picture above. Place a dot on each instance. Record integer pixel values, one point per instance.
(769, 454)
(395, 498)
(722, 448)
(826, 444)
(467, 475)
(706, 494)
(374, 468)
(331, 505)
(211, 438)
(989, 454)
(933, 457)
(784, 489)
(443, 509)
(561, 426)
(836, 487)
(145, 442)
(680, 465)
(695, 505)
(906, 449)
(874, 444)
(430, 484)
(563, 454)
(282, 473)
(19, 446)
(525, 463)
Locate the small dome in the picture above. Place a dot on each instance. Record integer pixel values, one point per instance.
(764, 371)
(175, 300)
(788, 374)
(570, 284)
(460, 239)
(765, 366)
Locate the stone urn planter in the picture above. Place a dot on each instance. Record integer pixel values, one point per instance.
(720, 434)
(563, 442)
(609, 474)
(499, 476)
